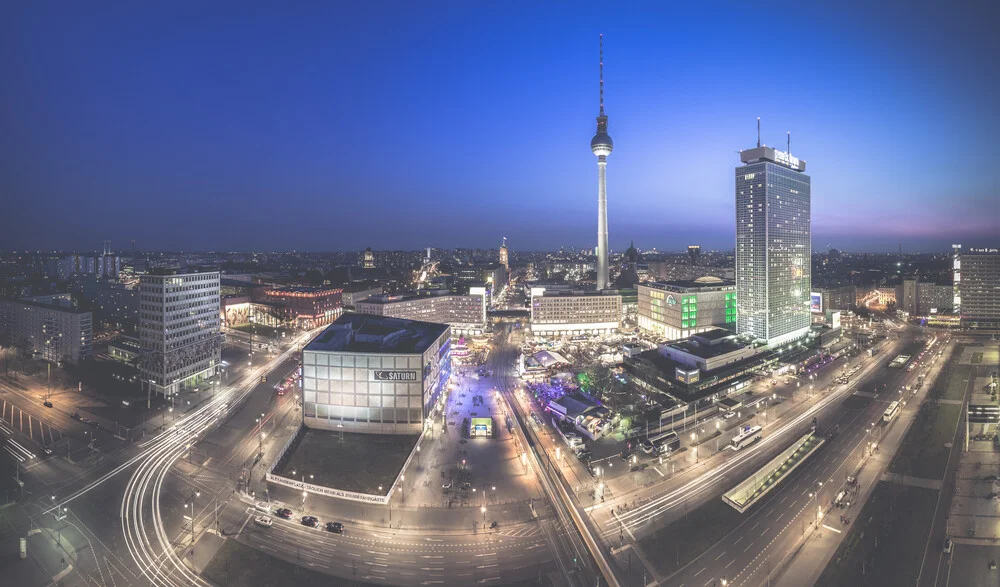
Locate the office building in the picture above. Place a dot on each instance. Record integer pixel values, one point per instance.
(118, 305)
(179, 329)
(466, 314)
(773, 248)
(678, 309)
(559, 311)
(51, 327)
(356, 292)
(921, 298)
(375, 374)
(980, 290)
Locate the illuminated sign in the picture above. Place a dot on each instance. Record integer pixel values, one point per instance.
(816, 302)
(671, 300)
(786, 159)
(394, 375)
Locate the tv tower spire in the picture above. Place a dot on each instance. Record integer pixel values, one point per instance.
(601, 145)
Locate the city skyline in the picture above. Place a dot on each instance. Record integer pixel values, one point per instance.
(193, 141)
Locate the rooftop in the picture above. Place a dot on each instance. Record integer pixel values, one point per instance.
(706, 283)
(769, 154)
(302, 290)
(364, 333)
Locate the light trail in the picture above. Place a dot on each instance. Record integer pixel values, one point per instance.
(648, 511)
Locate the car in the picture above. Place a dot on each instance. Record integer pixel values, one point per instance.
(84, 420)
(263, 521)
(311, 521)
(126, 403)
(583, 454)
(948, 546)
(335, 527)
(729, 415)
(47, 450)
(262, 506)
(446, 486)
(284, 513)
(47, 404)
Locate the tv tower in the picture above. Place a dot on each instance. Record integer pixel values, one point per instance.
(602, 145)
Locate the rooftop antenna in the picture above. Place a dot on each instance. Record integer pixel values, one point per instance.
(758, 132)
(602, 74)
(789, 142)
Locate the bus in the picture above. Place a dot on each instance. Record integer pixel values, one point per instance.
(890, 412)
(660, 443)
(746, 437)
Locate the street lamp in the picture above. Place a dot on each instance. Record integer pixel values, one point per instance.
(483, 509)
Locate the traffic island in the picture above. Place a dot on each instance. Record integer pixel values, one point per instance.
(756, 486)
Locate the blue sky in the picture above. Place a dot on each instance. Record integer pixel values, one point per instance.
(323, 126)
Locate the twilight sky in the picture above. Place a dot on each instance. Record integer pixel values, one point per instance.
(329, 125)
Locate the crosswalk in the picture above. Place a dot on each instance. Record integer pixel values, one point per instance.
(522, 531)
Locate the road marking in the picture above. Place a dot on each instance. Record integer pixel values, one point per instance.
(755, 525)
(659, 471)
(729, 563)
(748, 547)
(834, 529)
(700, 572)
(720, 556)
(738, 540)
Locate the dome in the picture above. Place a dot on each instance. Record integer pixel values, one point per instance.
(708, 279)
(601, 144)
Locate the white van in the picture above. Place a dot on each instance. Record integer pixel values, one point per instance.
(262, 506)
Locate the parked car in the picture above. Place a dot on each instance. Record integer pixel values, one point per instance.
(584, 454)
(284, 513)
(948, 546)
(262, 506)
(310, 521)
(729, 415)
(47, 404)
(263, 521)
(335, 527)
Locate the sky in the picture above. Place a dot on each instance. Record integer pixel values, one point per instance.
(338, 126)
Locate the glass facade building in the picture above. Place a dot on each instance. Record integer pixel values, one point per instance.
(773, 246)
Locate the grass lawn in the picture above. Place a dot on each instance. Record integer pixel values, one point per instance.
(681, 542)
(360, 463)
(923, 452)
(238, 565)
(897, 518)
(977, 357)
(953, 382)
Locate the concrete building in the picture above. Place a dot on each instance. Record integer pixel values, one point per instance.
(504, 259)
(466, 314)
(773, 246)
(118, 304)
(841, 298)
(694, 254)
(559, 311)
(709, 364)
(355, 292)
(919, 298)
(679, 309)
(179, 329)
(50, 325)
(980, 288)
(375, 374)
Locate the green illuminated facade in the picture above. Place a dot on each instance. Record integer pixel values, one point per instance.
(678, 309)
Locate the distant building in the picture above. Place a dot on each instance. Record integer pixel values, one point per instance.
(375, 374)
(355, 292)
(50, 325)
(562, 311)
(773, 246)
(922, 298)
(118, 304)
(838, 298)
(503, 255)
(179, 329)
(694, 254)
(306, 307)
(466, 314)
(368, 259)
(679, 309)
(980, 288)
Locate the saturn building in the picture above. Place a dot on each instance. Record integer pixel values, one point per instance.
(375, 374)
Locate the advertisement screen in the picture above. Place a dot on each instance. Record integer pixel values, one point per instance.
(816, 302)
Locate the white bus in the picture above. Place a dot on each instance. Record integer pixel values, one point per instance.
(890, 412)
(747, 436)
(662, 442)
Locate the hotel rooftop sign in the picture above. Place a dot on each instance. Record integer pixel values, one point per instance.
(774, 156)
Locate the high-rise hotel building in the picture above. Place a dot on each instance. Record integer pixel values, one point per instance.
(980, 288)
(178, 329)
(773, 246)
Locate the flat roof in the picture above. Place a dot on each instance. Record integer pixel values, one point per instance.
(692, 285)
(769, 154)
(365, 333)
(303, 289)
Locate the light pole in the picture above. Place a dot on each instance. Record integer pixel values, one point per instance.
(483, 509)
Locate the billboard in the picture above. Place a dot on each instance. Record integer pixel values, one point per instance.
(816, 302)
